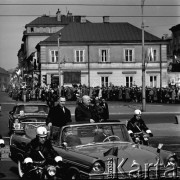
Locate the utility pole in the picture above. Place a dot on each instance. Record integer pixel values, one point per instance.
(59, 64)
(88, 71)
(143, 63)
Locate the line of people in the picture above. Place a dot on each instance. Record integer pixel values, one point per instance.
(111, 93)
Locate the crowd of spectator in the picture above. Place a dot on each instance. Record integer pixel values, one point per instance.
(112, 93)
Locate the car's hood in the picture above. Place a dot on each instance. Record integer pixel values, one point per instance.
(127, 152)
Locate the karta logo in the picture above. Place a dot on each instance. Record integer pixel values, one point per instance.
(115, 168)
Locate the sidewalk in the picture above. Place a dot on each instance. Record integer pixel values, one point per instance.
(117, 107)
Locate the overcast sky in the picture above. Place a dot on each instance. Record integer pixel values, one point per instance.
(12, 27)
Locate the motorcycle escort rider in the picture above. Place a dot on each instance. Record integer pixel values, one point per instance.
(40, 148)
(136, 125)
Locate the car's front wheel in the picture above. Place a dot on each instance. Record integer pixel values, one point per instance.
(20, 169)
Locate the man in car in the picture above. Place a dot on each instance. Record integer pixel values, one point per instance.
(70, 138)
(102, 134)
(40, 148)
(137, 125)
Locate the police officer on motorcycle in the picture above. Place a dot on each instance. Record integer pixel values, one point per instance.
(40, 148)
(136, 125)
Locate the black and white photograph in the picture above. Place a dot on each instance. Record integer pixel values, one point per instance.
(89, 89)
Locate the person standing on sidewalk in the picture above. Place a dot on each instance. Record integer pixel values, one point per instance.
(59, 115)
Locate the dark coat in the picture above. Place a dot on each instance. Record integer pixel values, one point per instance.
(73, 140)
(105, 114)
(58, 117)
(33, 148)
(83, 113)
(136, 125)
(100, 137)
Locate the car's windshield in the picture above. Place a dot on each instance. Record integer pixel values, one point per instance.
(94, 133)
(32, 109)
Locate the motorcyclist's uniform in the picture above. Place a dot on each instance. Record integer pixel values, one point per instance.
(39, 152)
(137, 126)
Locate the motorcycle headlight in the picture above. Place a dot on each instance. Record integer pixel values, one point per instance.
(51, 170)
(98, 167)
(172, 161)
(16, 121)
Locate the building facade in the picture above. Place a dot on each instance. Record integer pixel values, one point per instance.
(101, 54)
(37, 31)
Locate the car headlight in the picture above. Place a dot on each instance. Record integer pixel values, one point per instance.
(51, 170)
(98, 167)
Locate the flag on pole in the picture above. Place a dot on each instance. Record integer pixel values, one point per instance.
(149, 55)
(159, 148)
(18, 72)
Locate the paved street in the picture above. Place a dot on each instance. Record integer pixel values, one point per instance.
(160, 118)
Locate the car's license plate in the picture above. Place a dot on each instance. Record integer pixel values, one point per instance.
(17, 125)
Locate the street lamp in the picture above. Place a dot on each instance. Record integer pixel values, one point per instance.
(59, 64)
(143, 63)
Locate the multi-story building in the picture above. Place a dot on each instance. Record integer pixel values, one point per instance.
(174, 64)
(4, 79)
(37, 31)
(100, 54)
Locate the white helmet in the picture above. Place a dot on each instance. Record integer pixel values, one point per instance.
(137, 112)
(41, 131)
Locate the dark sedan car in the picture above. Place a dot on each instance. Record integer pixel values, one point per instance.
(26, 112)
(100, 151)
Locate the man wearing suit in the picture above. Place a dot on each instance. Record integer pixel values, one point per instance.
(71, 138)
(59, 115)
(101, 136)
(105, 107)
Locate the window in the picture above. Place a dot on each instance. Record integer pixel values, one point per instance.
(54, 56)
(32, 29)
(155, 55)
(128, 55)
(129, 81)
(79, 55)
(153, 81)
(152, 54)
(104, 55)
(104, 81)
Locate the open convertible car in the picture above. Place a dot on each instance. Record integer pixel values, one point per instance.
(26, 112)
(89, 156)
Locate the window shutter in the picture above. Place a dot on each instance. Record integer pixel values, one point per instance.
(75, 60)
(50, 59)
(100, 55)
(133, 55)
(108, 55)
(83, 55)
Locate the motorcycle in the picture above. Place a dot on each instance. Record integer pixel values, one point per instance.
(141, 138)
(41, 170)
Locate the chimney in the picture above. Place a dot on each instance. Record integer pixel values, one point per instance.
(105, 19)
(83, 19)
(58, 15)
(69, 17)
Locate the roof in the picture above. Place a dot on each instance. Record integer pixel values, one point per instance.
(101, 32)
(52, 21)
(3, 71)
(30, 103)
